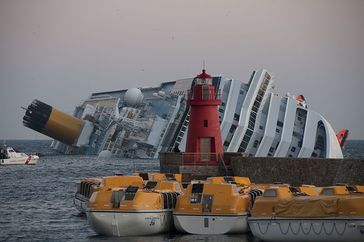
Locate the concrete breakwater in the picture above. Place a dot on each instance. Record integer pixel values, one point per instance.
(320, 172)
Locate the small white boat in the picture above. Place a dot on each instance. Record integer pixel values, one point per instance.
(8, 156)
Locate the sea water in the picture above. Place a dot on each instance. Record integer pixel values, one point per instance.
(36, 202)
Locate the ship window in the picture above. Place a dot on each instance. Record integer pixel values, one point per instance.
(293, 149)
(226, 143)
(279, 123)
(246, 138)
(314, 154)
(277, 130)
(236, 117)
(205, 123)
(232, 129)
(271, 149)
(256, 142)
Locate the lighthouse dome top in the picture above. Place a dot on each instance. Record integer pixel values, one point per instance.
(203, 78)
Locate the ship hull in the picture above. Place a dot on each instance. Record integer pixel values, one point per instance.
(211, 224)
(318, 229)
(123, 223)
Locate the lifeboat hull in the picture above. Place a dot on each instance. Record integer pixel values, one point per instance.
(122, 223)
(25, 160)
(211, 224)
(319, 229)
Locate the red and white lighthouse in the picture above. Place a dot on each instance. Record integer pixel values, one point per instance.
(204, 135)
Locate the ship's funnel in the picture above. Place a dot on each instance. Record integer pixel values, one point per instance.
(51, 122)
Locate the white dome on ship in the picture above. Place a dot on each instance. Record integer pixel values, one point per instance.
(105, 154)
(133, 96)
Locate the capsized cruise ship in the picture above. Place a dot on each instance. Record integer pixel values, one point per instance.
(141, 122)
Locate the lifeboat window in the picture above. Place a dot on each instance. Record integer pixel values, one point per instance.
(144, 176)
(351, 189)
(130, 192)
(229, 179)
(170, 177)
(196, 193)
(197, 188)
(177, 187)
(195, 198)
(327, 191)
(150, 185)
(270, 193)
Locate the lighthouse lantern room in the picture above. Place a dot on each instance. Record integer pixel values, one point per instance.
(204, 135)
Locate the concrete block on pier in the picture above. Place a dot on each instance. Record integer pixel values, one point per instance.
(320, 172)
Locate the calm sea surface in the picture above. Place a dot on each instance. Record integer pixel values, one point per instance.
(36, 202)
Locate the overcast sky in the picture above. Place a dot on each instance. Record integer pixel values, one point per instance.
(61, 51)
